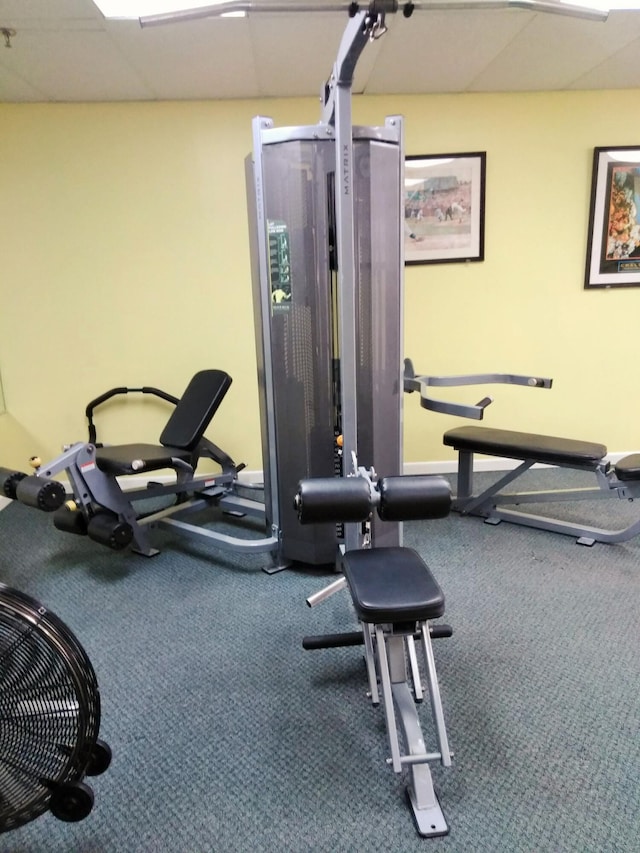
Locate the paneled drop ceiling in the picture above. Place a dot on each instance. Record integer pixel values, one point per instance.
(64, 50)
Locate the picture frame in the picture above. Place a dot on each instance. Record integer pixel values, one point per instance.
(613, 241)
(444, 197)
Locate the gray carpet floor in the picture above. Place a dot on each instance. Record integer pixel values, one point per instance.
(229, 737)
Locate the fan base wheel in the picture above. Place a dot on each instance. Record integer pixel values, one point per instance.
(100, 758)
(71, 801)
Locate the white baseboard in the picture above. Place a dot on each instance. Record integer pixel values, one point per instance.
(450, 466)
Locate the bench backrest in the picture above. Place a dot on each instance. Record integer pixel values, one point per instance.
(195, 409)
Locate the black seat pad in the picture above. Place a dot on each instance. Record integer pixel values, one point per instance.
(547, 449)
(392, 585)
(117, 460)
(628, 468)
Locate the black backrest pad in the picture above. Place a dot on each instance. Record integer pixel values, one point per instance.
(195, 409)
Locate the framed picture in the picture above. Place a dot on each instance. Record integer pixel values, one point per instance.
(613, 247)
(444, 208)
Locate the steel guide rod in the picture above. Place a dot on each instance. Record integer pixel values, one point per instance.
(338, 111)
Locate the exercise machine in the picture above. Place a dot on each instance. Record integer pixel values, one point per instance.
(613, 480)
(395, 597)
(326, 227)
(100, 506)
(325, 215)
(50, 711)
(619, 480)
(326, 257)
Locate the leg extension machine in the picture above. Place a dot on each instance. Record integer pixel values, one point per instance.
(100, 508)
(395, 597)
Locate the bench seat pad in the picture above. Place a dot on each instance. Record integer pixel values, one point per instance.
(392, 585)
(628, 468)
(117, 460)
(547, 449)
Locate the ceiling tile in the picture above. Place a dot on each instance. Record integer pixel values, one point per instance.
(551, 52)
(73, 65)
(619, 71)
(16, 90)
(442, 51)
(59, 10)
(287, 59)
(205, 59)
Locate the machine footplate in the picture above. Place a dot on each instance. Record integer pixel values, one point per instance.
(430, 822)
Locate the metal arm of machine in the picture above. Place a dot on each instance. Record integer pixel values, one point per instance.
(412, 383)
(230, 7)
(360, 30)
(363, 27)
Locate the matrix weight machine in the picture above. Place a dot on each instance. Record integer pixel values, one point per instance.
(324, 205)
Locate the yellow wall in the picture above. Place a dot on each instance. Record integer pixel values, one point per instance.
(124, 261)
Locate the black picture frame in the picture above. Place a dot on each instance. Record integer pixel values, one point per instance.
(613, 242)
(444, 201)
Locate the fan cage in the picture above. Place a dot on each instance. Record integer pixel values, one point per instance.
(49, 708)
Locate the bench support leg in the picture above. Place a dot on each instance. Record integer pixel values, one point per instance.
(428, 815)
(465, 474)
(415, 671)
(370, 659)
(434, 693)
(393, 650)
(469, 504)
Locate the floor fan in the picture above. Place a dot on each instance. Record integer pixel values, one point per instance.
(49, 716)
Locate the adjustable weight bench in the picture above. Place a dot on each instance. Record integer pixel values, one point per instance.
(99, 507)
(395, 597)
(620, 480)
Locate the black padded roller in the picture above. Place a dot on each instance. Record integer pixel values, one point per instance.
(9, 479)
(70, 520)
(47, 495)
(413, 497)
(333, 499)
(107, 529)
